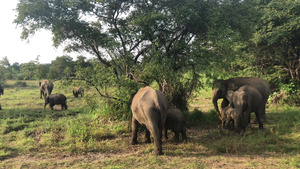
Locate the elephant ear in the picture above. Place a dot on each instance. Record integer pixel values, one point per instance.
(218, 83)
(232, 84)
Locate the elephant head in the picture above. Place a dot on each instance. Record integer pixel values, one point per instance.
(239, 101)
(46, 88)
(220, 90)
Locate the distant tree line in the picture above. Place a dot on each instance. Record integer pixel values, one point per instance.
(63, 67)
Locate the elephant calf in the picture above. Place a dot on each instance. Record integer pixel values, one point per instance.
(227, 116)
(78, 91)
(176, 122)
(56, 99)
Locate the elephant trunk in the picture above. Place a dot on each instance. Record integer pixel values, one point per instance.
(216, 96)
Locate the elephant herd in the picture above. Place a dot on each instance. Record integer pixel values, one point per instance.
(46, 88)
(241, 96)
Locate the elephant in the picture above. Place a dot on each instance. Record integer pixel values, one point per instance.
(228, 114)
(1, 93)
(176, 122)
(234, 84)
(78, 91)
(245, 100)
(56, 99)
(149, 107)
(46, 88)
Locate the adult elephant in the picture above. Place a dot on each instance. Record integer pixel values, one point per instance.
(1, 93)
(149, 107)
(46, 88)
(233, 84)
(245, 100)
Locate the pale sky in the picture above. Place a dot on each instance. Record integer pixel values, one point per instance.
(21, 51)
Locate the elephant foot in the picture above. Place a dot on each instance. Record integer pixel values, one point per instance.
(148, 141)
(157, 152)
(134, 142)
(255, 121)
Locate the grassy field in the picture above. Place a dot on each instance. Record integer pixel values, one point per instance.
(88, 136)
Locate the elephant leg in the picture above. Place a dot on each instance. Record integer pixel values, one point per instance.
(183, 134)
(263, 114)
(147, 136)
(176, 136)
(258, 117)
(166, 133)
(134, 126)
(156, 133)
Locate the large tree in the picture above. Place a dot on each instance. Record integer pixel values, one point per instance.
(165, 41)
(277, 39)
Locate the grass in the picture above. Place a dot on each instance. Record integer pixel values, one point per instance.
(86, 136)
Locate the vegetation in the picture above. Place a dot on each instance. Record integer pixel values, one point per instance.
(90, 136)
(179, 47)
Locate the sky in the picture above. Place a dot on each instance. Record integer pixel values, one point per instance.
(22, 51)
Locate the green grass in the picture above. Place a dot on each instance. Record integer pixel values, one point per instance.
(88, 136)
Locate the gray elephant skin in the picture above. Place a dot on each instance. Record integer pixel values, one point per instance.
(1, 93)
(234, 84)
(176, 122)
(245, 100)
(149, 107)
(78, 91)
(227, 116)
(56, 99)
(46, 88)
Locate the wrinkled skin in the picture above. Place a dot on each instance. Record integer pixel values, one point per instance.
(46, 88)
(222, 86)
(78, 91)
(1, 93)
(176, 122)
(56, 99)
(228, 115)
(149, 107)
(245, 100)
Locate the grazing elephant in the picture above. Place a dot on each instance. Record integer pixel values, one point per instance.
(56, 99)
(1, 93)
(245, 100)
(78, 91)
(46, 88)
(227, 116)
(233, 84)
(176, 122)
(149, 107)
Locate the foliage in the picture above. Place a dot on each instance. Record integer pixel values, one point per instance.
(277, 40)
(129, 38)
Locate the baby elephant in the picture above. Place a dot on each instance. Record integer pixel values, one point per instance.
(56, 99)
(227, 116)
(176, 122)
(78, 91)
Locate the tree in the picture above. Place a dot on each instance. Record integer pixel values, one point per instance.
(277, 39)
(148, 41)
(61, 67)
